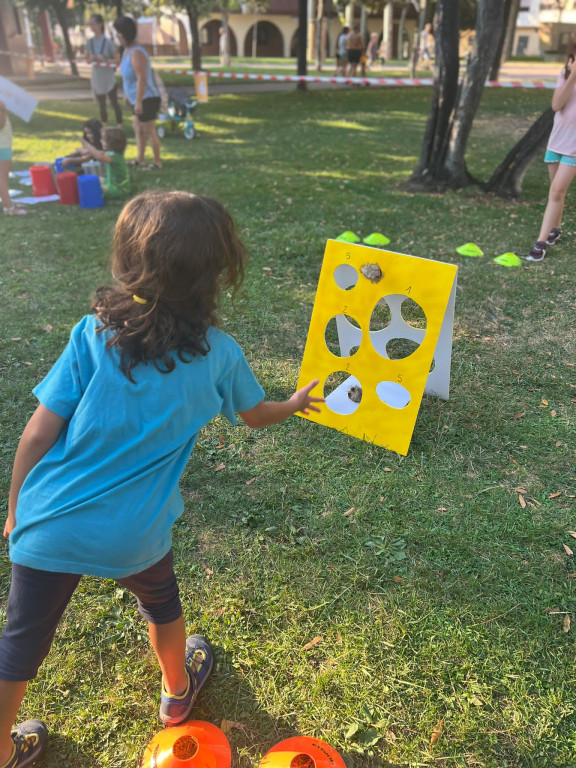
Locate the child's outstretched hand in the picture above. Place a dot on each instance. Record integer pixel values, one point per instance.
(302, 400)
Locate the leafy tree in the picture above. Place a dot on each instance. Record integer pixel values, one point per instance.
(195, 10)
(65, 16)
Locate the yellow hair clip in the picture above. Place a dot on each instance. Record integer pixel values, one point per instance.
(139, 300)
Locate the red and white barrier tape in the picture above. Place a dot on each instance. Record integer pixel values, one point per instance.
(397, 81)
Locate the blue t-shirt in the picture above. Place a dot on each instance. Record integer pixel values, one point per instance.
(103, 499)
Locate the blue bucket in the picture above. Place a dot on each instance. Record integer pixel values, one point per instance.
(90, 191)
(58, 167)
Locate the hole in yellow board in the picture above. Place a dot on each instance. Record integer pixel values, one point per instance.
(333, 335)
(185, 748)
(413, 314)
(345, 276)
(381, 316)
(399, 348)
(393, 394)
(343, 393)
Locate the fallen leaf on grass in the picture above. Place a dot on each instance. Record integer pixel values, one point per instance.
(219, 467)
(249, 482)
(522, 501)
(476, 701)
(520, 415)
(558, 443)
(437, 732)
(520, 490)
(567, 549)
(554, 495)
(572, 533)
(398, 579)
(47, 328)
(566, 623)
(349, 512)
(312, 643)
(544, 401)
(230, 725)
(208, 571)
(552, 413)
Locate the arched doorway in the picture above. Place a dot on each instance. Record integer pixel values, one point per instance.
(210, 35)
(269, 40)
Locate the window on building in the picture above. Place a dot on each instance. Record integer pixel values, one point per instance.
(262, 37)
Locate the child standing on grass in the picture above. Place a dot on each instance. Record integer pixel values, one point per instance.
(95, 480)
(117, 182)
(6, 162)
(561, 160)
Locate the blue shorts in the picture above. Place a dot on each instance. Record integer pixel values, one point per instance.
(37, 600)
(556, 157)
(5, 153)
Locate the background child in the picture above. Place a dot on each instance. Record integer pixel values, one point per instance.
(91, 133)
(117, 182)
(6, 162)
(95, 481)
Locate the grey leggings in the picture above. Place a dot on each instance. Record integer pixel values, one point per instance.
(113, 96)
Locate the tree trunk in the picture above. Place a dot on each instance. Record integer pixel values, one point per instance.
(446, 63)
(119, 13)
(302, 41)
(488, 23)
(60, 11)
(416, 46)
(498, 54)
(506, 181)
(318, 34)
(196, 59)
(510, 29)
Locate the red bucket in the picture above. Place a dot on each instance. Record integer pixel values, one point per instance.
(42, 180)
(67, 182)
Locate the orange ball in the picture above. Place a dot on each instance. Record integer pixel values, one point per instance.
(194, 744)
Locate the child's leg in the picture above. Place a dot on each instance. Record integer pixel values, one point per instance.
(11, 695)
(185, 663)
(4, 189)
(140, 140)
(560, 182)
(36, 602)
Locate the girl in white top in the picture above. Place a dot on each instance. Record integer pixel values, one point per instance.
(101, 50)
(561, 159)
(6, 162)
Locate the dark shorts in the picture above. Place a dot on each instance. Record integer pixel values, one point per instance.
(150, 109)
(354, 56)
(37, 600)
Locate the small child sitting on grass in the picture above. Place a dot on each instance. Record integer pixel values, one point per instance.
(91, 132)
(117, 182)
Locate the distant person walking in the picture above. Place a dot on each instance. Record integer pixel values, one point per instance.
(101, 50)
(140, 92)
(223, 49)
(560, 158)
(372, 50)
(342, 53)
(425, 47)
(355, 48)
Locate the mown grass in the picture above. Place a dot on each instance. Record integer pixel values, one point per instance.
(438, 582)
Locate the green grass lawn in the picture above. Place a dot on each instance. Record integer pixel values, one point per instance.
(440, 583)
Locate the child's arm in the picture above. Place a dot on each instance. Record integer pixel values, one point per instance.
(39, 436)
(96, 154)
(269, 412)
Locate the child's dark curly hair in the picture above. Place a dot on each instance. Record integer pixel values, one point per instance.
(173, 254)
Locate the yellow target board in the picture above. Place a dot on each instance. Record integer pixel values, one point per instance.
(380, 337)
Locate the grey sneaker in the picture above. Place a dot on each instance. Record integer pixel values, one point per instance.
(538, 251)
(30, 738)
(199, 662)
(554, 236)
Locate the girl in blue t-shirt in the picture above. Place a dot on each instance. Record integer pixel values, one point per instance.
(95, 479)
